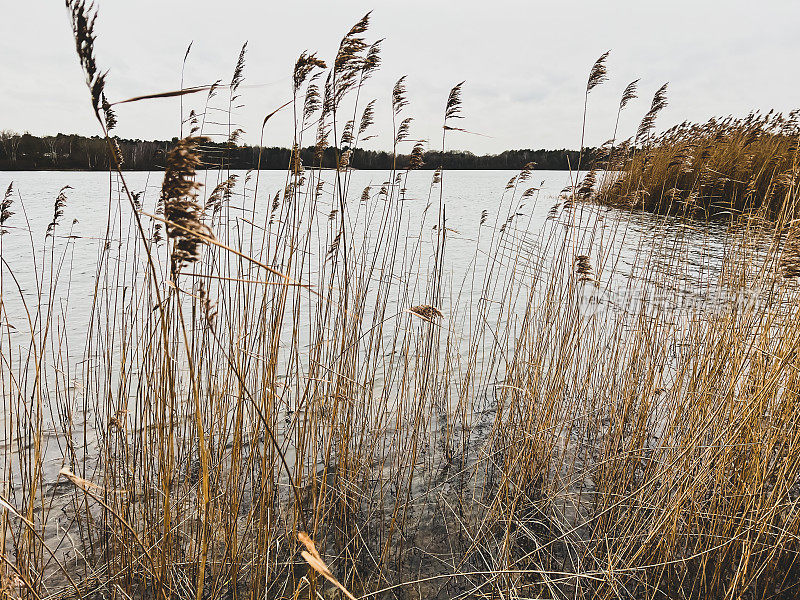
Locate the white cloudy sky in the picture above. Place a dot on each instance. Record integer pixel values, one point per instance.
(525, 63)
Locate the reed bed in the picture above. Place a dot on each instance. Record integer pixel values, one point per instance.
(732, 167)
(297, 399)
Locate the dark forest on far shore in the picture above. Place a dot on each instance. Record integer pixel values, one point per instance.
(26, 152)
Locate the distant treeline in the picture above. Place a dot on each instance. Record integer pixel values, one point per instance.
(25, 152)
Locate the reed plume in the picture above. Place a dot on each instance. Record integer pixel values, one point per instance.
(5, 208)
(208, 307)
(403, 130)
(416, 159)
(399, 95)
(221, 194)
(371, 61)
(428, 312)
(312, 101)
(82, 18)
(238, 72)
(452, 109)
(344, 160)
(349, 64)
(586, 187)
(352, 45)
(347, 133)
(583, 267)
(58, 209)
(629, 93)
(303, 67)
(648, 122)
(185, 227)
(367, 118)
(598, 73)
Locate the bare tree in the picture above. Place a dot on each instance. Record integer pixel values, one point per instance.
(10, 141)
(52, 144)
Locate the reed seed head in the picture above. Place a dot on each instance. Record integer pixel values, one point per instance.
(181, 210)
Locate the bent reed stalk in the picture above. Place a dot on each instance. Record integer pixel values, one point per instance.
(515, 431)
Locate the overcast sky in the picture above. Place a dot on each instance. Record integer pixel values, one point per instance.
(525, 63)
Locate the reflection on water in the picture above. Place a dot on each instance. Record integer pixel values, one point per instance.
(633, 254)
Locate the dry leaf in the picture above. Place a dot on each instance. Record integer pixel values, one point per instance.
(312, 557)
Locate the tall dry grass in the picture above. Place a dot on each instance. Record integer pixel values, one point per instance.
(734, 166)
(305, 391)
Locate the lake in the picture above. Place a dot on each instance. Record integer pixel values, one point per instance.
(88, 215)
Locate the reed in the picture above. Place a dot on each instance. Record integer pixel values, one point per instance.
(301, 365)
(734, 167)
